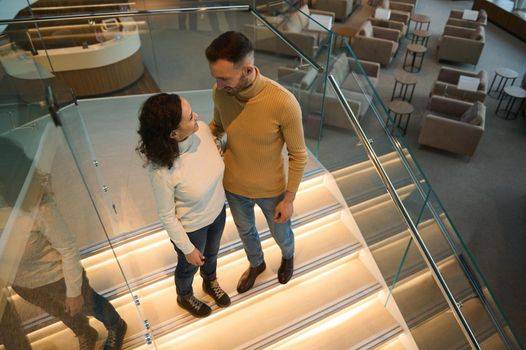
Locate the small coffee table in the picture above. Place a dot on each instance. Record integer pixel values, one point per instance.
(400, 110)
(415, 51)
(421, 37)
(505, 75)
(514, 93)
(419, 20)
(403, 82)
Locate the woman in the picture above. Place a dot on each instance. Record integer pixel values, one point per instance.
(186, 174)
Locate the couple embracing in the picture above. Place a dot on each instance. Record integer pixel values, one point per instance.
(190, 181)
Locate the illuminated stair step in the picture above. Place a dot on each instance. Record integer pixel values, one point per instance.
(276, 309)
(359, 326)
(419, 297)
(431, 334)
(314, 240)
(395, 344)
(155, 252)
(388, 253)
(379, 218)
(360, 182)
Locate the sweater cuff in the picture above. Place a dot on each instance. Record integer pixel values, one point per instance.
(186, 247)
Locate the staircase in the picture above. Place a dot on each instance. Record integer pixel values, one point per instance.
(349, 243)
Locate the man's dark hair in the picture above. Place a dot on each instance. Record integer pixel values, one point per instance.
(231, 46)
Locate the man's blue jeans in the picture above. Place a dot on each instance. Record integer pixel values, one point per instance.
(207, 239)
(242, 209)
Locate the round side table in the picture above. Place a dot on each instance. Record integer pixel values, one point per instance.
(400, 110)
(421, 37)
(414, 51)
(419, 20)
(514, 93)
(504, 75)
(403, 82)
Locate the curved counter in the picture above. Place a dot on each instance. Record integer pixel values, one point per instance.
(97, 69)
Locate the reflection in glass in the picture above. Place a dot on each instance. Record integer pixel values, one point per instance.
(50, 274)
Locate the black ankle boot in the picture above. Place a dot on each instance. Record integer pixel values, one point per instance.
(285, 270)
(249, 277)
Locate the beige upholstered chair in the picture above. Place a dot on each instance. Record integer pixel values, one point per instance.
(452, 125)
(375, 43)
(447, 80)
(461, 45)
(294, 26)
(341, 8)
(400, 11)
(391, 24)
(455, 19)
(305, 85)
(347, 71)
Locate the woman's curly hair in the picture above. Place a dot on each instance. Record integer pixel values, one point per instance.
(159, 116)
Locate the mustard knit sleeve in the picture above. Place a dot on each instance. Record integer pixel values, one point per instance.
(292, 130)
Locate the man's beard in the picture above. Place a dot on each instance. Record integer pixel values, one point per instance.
(243, 83)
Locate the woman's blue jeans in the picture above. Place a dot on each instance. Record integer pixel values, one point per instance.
(242, 209)
(207, 240)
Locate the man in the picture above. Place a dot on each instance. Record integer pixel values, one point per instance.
(259, 117)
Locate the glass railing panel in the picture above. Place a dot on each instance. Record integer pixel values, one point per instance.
(474, 273)
(429, 300)
(130, 240)
(387, 138)
(307, 29)
(414, 200)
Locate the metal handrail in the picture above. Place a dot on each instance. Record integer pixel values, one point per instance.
(464, 326)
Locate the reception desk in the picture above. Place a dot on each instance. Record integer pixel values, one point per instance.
(92, 70)
(501, 13)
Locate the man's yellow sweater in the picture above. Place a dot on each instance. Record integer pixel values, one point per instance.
(258, 121)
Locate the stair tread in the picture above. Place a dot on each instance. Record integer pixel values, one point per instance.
(313, 240)
(99, 267)
(389, 256)
(361, 181)
(426, 334)
(351, 328)
(275, 309)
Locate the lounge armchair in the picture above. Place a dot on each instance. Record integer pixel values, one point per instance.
(375, 43)
(400, 11)
(453, 125)
(349, 75)
(294, 26)
(461, 45)
(455, 19)
(391, 24)
(447, 80)
(306, 86)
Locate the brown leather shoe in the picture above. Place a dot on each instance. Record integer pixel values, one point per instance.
(285, 270)
(249, 277)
